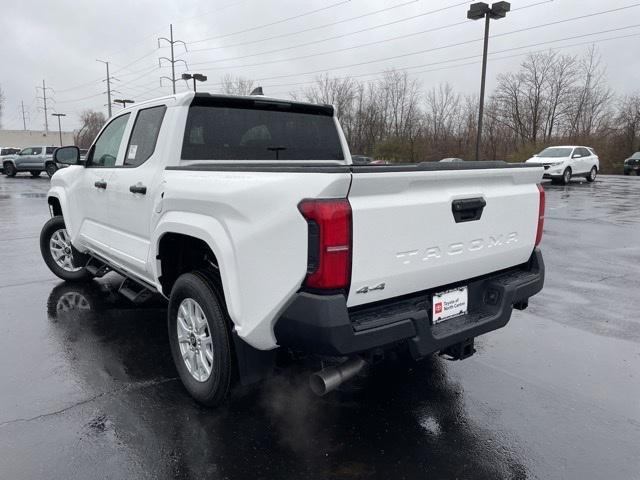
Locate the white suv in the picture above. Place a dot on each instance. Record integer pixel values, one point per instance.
(562, 163)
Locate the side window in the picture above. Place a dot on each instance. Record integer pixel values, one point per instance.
(25, 151)
(36, 151)
(49, 150)
(144, 136)
(105, 150)
(585, 152)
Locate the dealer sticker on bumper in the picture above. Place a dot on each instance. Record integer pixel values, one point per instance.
(449, 304)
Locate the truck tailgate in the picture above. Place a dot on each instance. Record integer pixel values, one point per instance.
(406, 237)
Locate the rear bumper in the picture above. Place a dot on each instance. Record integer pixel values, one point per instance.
(322, 324)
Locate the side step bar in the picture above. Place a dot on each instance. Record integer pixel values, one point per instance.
(97, 268)
(134, 291)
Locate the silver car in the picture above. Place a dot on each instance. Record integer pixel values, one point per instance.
(34, 160)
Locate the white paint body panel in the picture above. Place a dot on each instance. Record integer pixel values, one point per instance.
(251, 222)
(405, 235)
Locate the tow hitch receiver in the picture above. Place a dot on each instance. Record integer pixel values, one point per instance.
(459, 351)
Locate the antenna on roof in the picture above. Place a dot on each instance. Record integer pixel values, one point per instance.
(257, 91)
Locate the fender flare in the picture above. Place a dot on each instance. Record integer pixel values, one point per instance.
(216, 236)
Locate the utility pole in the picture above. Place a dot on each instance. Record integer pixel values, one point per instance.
(24, 120)
(44, 103)
(171, 60)
(59, 126)
(108, 80)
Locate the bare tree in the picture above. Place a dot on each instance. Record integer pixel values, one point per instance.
(236, 85)
(628, 121)
(91, 123)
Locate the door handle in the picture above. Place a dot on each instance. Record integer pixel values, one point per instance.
(100, 184)
(468, 209)
(138, 188)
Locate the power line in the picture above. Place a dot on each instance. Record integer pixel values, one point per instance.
(277, 22)
(378, 42)
(475, 62)
(262, 40)
(311, 72)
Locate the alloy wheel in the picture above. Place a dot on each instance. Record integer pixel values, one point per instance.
(61, 251)
(194, 338)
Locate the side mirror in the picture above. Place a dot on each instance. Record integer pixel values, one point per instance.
(67, 155)
(577, 155)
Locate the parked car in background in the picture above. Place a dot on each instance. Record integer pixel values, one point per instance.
(7, 152)
(632, 164)
(361, 160)
(564, 162)
(34, 160)
(451, 160)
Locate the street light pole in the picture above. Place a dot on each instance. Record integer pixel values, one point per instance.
(194, 76)
(476, 12)
(59, 125)
(123, 101)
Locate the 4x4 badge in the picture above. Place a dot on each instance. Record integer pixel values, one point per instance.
(367, 289)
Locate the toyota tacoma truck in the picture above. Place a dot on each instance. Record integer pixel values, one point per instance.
(249, 216)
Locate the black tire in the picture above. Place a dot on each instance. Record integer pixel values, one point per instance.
(216, 387)
(50, 228)
(566, 176)
(50, 168)
(10, 170)
(626, 172)
(591, 176)
(35, 173)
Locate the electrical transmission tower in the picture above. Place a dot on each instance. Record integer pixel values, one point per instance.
(109, 91)
(172, 60)
(24, 118)
(44, 107)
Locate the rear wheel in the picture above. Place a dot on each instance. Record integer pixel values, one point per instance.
(200, 339)
(62, 259)
(35, 173)
(10, 170)
(566, 176)
(592, 174)
(51, 168)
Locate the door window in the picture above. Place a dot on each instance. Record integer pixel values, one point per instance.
(49, 150)
(25, 151)
(36, 150)
(584, 152)
(144, 136)
(105, 151)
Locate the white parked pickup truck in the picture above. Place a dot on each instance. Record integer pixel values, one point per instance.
(249, 216)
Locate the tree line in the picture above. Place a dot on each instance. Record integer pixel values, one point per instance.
(551, 99)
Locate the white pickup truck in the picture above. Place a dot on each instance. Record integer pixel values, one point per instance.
(249, 216)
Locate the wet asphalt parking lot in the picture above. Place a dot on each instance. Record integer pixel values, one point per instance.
(88, 388)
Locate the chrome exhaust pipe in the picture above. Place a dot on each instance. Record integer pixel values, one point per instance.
(330, 378)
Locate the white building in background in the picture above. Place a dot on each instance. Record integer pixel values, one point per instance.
(33, 138)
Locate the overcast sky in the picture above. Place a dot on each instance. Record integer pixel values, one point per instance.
(60, 40)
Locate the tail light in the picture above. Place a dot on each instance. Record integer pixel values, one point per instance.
(540, 215)
(329, 257)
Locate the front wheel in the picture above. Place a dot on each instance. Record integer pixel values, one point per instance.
(62, 259)
(199, 338)
(10, 170)
(51, 168)
(592, 174)
(566, 176)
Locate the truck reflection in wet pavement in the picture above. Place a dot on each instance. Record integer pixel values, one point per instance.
(400, 421)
